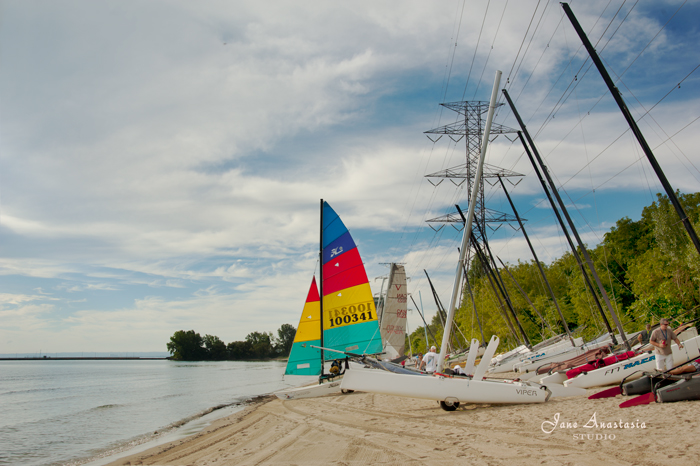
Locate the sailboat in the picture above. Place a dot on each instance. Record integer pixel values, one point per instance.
(344, 321)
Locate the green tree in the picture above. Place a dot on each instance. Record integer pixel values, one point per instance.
(261, 344)
(286, 334)
(215, 348)
(238, 350)
(186, 346)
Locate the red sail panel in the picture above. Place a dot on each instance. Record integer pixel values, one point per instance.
(341, 263)
(346, 279)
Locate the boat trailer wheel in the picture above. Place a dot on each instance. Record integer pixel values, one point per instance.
(346, 391)
(449, 405)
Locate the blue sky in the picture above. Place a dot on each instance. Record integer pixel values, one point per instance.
(161, 163)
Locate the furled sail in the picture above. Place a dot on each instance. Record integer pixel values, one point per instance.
(393, 322)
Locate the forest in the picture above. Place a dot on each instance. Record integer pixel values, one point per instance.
(191, 346)
(649, 269)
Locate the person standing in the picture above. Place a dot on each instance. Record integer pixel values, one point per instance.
(643, 337)
(430, 360)
(660, 339)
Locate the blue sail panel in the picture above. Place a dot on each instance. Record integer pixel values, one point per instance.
(337, 247)
(333, 227)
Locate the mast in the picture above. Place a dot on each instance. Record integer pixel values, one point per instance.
(470, 218)
(574, 251)
(635, 129)
(320, 258)
(502, 287)
(584, 251)
(537, 261)
(471, 295)
(489, 275)
(441, 311)
(438, 304)
(526, 296)
(426, 329)
(491, 268)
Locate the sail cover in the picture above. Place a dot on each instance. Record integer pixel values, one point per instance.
(393, 323)
(303, 359)
(349, 315)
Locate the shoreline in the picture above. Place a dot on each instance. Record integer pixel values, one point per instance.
(172, 433)
(363, 428)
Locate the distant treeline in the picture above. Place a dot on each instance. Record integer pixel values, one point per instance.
(191, 346)
(649, 269)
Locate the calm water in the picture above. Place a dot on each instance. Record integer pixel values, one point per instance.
(71, 412)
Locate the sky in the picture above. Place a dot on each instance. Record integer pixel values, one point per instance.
(162, 162)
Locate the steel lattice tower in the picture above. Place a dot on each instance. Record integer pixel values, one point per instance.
(470, 126)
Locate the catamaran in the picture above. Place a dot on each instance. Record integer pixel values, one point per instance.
(344, 321)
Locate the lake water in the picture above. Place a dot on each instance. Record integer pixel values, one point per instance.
(75, 412)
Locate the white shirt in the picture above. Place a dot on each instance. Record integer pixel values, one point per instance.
(430, 359)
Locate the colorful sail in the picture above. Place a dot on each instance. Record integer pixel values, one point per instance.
(349, 315)
(393, 320)
(303, 359)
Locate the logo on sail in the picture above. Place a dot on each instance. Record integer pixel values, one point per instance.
(336, 251)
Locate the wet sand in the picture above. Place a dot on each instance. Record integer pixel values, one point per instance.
(363, 429)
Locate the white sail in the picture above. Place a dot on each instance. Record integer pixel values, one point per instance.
(393, 320)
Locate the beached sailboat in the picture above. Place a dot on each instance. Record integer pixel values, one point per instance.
(344, 321)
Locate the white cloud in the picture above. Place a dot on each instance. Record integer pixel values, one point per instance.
(177, 168)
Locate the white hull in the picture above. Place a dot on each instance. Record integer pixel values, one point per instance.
(557, 377)
(534, 357)
(441, 388)
(455, 389)
(571, 352)
(311, 391)
(633, 367)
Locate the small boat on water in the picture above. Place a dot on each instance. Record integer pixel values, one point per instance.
(345, 321)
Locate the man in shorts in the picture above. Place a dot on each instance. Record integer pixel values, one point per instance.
(661, 339)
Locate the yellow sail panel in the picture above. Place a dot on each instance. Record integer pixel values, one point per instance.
(349, 306)
(309, 324)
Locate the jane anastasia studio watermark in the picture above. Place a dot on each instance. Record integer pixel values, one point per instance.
(595, 429)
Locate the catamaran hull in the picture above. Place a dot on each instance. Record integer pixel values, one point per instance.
(509, 364)
(634, 367)
(688, 388)
(445, 389)
(310, 391)
(532, 365)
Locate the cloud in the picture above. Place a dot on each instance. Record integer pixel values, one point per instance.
(169, 177)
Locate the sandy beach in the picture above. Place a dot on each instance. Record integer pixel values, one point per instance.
(364, 428)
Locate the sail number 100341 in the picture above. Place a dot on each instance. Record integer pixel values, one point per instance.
(347, 315)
